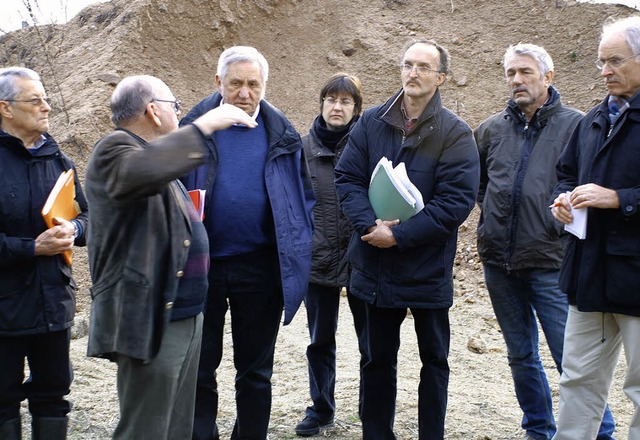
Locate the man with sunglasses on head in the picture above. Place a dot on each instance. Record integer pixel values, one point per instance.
(408, 265)
(37, 292)
(149, 256)
(598, 171)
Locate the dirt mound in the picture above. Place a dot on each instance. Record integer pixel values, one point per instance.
(305, 42)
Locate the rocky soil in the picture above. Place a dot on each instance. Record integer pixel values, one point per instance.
(305, 41)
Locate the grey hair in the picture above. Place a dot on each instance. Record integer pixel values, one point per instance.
(130, 98)
(445, 58)
(9, 75)
(538, 53)
(630, 26)
(242, 54)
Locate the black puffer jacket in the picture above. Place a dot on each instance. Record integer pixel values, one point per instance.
(37, 294)
(517, 160)
(332, 230)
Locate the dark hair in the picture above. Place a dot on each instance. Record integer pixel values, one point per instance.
(343, 83)
(444, 53)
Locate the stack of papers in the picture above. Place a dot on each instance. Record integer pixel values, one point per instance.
(578, 226)
(392, 194)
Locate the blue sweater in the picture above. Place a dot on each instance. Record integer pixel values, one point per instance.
(241, 219)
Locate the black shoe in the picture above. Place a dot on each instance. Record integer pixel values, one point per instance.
(311, 426)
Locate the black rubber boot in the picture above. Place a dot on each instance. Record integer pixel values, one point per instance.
(49, 428)
(11, 430)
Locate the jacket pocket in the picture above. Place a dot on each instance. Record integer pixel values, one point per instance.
(622, 269)
(18, 297)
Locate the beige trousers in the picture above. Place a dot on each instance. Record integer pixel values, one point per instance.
(588, 366)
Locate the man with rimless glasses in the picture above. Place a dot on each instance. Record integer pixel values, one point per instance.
(37, 293)
(149, 256)
(408, 265)
(599, 172)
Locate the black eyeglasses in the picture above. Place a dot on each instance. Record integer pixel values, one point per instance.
(33, 101)
(177, 104)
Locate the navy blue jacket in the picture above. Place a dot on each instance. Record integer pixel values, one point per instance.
(602, 272)
(37, 294)
(289, 190)
(441, 158)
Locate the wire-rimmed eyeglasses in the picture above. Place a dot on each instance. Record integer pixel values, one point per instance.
(345, 102)
(33, 101)
(422, 69)
(613, 62)
(177, 104)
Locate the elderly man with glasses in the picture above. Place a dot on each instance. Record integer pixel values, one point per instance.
(598, 173)
(149, 256)
(408, 265)
(37, 293)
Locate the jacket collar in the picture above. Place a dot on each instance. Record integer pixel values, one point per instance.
(601, 115)
(542, 115)
(282, 137)
(392, 113)
(15, 145)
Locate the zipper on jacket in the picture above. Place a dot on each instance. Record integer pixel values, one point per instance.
(525, 155)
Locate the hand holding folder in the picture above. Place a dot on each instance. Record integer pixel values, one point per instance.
(61, 203)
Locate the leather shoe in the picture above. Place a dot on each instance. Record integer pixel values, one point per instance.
(312, 426)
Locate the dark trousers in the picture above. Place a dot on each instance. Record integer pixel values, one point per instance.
(379, 375)
(50, 378)
(249, 286)
(322, 304)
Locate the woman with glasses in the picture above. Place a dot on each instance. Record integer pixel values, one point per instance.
(340, 107)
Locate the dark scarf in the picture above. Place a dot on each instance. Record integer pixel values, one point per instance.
(330, 138)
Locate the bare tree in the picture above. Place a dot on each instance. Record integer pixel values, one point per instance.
(50, 59)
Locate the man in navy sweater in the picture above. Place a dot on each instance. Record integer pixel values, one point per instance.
(258, 214)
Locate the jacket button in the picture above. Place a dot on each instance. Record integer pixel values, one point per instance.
(168, 305)
(629, 208)
(186, 243)
(180, 274)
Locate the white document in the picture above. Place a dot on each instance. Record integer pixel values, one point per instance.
(578, 226)
(401, 173)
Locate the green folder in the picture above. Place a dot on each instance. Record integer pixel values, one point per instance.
(391, 193)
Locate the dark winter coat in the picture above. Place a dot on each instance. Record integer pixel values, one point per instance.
(517, 162)
(37, 294)
(602, 272)
(441, 158)
(139, 237)
(289, 191)
(332, 230)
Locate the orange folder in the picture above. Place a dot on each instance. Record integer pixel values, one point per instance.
(61, 203)
(197, 197)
